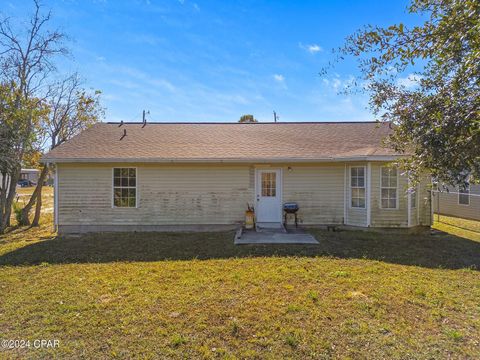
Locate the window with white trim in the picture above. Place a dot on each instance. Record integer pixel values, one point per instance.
(357, 187)
(388, 184)
(124, 187)
(464, 195)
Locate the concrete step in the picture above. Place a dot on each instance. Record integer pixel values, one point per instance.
(270, 227)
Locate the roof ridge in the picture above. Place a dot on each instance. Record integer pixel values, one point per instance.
(237, 123)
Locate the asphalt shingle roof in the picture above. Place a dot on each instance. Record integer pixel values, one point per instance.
(225, 142)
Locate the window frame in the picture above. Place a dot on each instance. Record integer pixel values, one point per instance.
(136, 188)
(467, 194)
(357, 187)
(397, 199)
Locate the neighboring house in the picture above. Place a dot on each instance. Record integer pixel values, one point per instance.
(30, 174)
(463, 203)
(200, 176)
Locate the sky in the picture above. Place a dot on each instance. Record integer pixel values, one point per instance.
(213, 61)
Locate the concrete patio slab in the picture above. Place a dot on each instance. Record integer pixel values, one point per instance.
(253, 237)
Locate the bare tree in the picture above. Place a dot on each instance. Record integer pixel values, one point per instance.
(71, 110)
(26, 60)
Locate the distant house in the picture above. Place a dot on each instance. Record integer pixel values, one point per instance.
(201, 176)
(25, 174)
(30, 174)
(454, 201)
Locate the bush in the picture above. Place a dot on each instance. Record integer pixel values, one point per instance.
(17, 211)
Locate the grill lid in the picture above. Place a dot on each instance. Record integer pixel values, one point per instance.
(290, 206)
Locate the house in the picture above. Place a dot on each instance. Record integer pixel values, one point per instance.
(30, 174)
(25, 174)
(459, 202)
(201, 176)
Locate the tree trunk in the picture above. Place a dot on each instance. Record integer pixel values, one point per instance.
(24, 219)
(3, 193)
(7, 211)
(38, 208)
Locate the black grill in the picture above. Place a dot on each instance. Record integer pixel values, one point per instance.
(290, 207)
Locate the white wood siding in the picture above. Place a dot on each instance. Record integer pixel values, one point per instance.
(218, 194)
(447, 204)
(399, 217)
(169, 195)
(389, 217)
(318, 190)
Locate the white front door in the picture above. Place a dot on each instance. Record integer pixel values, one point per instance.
(268, 195)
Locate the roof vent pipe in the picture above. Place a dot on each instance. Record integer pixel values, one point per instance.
(275, 116)
(144, 117)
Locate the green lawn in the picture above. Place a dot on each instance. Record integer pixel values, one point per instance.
(458, 226)
(356, 295)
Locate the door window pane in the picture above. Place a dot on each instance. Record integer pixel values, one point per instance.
(269, 184)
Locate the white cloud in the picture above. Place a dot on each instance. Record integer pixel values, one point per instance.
(132, 78)
(124, 83)
(148, 39)
(162, 83)
(178, 98)
(330, 106)
(338, 84)
(409, 82)
(109, 97)
(280, 80)
(312, 48)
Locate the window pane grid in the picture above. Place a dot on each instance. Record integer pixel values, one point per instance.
(389, 182)
(269, 184)
(357, 187)
(124, 187)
